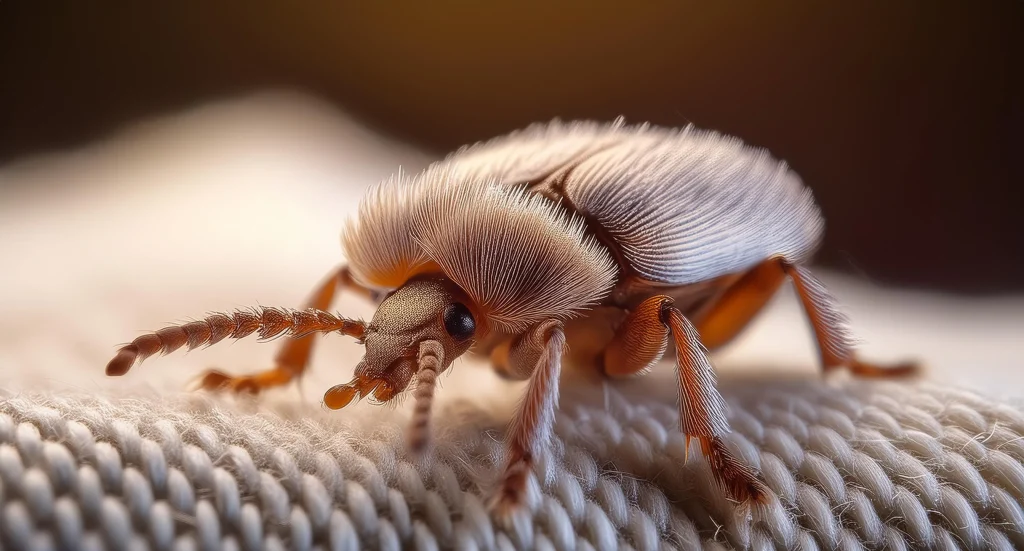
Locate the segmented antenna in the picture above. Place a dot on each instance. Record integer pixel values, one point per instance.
(266, 322)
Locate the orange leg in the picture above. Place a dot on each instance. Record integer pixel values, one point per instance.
(724, 318)
(727, 316)
(539, 353)
(640, 342)
(293, 358)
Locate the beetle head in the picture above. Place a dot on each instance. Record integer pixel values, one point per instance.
(428, 309)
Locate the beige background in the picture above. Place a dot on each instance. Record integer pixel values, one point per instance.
(903, 117)
(241, 203)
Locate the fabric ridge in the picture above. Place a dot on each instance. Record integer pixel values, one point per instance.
(854, 465)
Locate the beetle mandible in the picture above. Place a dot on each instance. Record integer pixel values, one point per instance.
(607, 243)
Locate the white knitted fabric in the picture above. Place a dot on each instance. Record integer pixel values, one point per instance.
(855, 465)
(169, 220)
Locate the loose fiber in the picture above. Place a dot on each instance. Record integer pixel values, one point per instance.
(857, 465)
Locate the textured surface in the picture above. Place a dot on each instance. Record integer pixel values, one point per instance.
(240, 204)
(855, 466)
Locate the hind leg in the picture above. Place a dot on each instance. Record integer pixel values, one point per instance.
(293, 357)
(829, 324)
(640, 342)
(726, 317)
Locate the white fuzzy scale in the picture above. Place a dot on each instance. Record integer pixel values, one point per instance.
(860, 466)
(684, 205)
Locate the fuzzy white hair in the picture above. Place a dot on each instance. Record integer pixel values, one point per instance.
(519, 256)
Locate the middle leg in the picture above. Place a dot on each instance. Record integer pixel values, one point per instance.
(640, 342)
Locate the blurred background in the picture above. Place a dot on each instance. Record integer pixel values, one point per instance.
(162, 160)
(904, 117)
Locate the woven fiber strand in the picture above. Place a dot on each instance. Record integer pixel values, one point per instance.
(854, 464)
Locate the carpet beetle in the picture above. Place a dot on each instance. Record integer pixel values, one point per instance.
(605, 245)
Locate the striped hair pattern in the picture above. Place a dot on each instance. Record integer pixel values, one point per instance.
(520, 257)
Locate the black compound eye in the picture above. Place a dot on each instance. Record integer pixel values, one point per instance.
(459, 322)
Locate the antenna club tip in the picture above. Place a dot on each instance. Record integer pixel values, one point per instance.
(122, 362)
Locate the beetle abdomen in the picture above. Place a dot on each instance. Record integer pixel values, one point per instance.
(681, 206)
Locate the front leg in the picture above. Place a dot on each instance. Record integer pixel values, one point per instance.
(294, 355)
(536, 354)
(640, 342)
(298, 325)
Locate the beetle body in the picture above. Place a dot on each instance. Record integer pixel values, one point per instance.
(618, 243)
(682, 212)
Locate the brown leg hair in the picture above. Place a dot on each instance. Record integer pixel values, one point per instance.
(291, 361)
(537, 354)
(641, 341)
(829, 324)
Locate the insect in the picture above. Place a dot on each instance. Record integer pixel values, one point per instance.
(601, 245)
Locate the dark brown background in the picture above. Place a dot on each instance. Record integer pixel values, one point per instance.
(905, 117)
